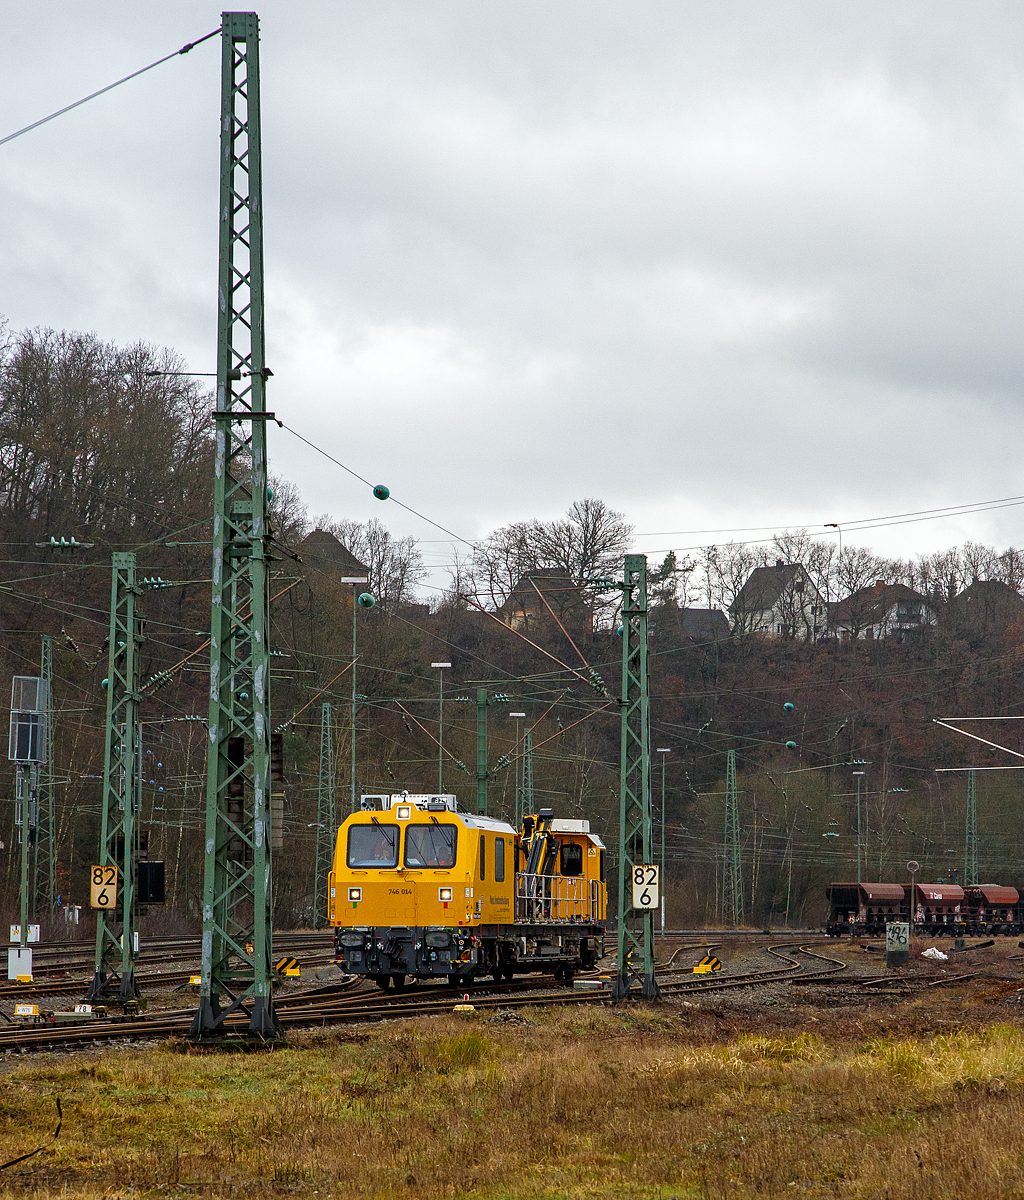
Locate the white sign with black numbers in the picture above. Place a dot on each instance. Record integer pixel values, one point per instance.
(645, 886)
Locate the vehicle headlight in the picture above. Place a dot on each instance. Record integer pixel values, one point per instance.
(352, 939)
(445, 894)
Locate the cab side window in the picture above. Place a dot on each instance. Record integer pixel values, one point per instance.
(570, 859)
(483, 857)
(499, 860)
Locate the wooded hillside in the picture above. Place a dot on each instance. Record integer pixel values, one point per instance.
(96, 443)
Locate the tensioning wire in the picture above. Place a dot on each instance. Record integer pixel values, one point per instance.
(356, 475)
(110, 87)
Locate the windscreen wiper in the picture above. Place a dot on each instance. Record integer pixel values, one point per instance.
(385, 832)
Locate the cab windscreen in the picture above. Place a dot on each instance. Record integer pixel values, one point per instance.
(373, 846)
(430, 845)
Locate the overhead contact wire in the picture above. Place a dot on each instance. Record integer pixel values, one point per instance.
(546, 653)
(444, 749)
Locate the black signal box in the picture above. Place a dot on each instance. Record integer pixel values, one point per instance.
(151, 883)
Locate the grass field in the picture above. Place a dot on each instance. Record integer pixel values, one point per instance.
(591, 1102)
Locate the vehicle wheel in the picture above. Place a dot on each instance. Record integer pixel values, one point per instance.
(455, 981)
(508, 974)
(399, 982)
(382, 981)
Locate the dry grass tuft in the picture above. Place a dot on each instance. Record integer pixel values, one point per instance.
(596, 1102)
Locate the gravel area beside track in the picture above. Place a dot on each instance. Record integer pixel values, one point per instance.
(806, 984)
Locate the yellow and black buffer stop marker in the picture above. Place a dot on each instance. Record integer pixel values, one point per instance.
(707, 965)
(287, 966)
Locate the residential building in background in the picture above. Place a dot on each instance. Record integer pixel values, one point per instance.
(780, 602)
(543, 592)
(882, 610)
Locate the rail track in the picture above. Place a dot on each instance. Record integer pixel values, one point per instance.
(61, 971)
(353, 1002)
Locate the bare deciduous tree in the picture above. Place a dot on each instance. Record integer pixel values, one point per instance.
(396, 564)
(588, 541)
(99, 441)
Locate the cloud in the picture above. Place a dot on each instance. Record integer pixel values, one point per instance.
(719, 265)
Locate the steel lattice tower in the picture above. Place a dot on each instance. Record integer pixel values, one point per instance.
(44, 851)
(236, 953)
(326, 817)
(526, 797)
(971, 839)
(115, 929)
(732, 869)
(482, 774)
(636, 844)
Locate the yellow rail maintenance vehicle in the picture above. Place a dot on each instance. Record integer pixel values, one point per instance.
(421, 888)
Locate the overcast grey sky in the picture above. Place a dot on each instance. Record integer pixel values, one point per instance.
(720, 264)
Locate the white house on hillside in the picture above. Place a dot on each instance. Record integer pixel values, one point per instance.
(779, 601)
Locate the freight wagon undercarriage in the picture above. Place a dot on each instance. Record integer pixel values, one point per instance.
(390, 954)
(960, 927)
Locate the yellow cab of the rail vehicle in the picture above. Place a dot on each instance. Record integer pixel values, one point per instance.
(420, 887)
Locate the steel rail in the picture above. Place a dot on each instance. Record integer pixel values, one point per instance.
(60, 985)
(296, 1011)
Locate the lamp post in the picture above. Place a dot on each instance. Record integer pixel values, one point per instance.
(839, 561)
(440, 667)
(519, 769)
(663, 750)
(354, 580)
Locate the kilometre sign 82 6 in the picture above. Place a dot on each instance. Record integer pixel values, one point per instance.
(103, 887)
(645, 886)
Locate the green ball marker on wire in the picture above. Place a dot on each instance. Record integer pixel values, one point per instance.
(791, 745)
(788, 706)
(366, 600)
(381, 491)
